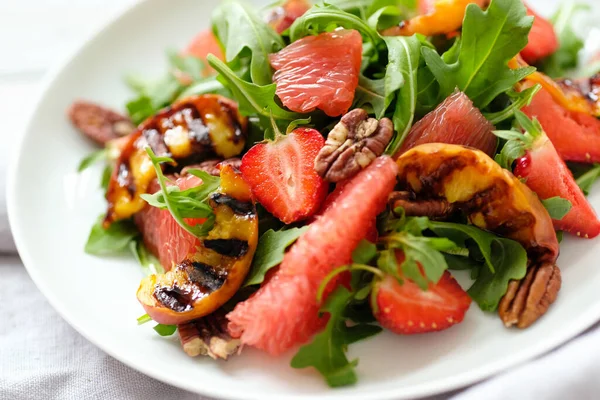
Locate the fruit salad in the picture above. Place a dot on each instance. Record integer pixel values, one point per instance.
(306, 176)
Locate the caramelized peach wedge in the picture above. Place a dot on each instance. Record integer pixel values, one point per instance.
(189, 131)
(493, 199)
(209, 277)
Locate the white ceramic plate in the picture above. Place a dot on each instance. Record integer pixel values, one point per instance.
(52, 208)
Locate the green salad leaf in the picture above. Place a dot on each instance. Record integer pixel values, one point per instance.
(327, 351)
(490, 39)
(566, 58)
(190, 203)
(321, 18)
(510, 262)
(587, 179)
(557, 207)
(165, 330)
(401, 75)
(203, 86)
(150, 264)
(144, 319)
(518, 101)
(141, 108)
(500, 260)
(243, 33)
(113, 240)
(92, 158)
(191, 66)
(269, 252)
(252, 98)
(406, 234)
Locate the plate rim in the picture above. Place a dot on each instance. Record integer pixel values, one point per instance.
(577, 326)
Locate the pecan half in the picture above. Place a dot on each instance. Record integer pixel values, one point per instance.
(527, 300)
(99, 123)
(436, 209)
(352, 145)
(208, 336)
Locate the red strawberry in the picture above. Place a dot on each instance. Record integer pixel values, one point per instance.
(548, 176)
(575, 135)
(542, 39)
(407, 309)
(282, 177)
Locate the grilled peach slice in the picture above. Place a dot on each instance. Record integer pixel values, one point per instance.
(209, 277)
(491, 197)
(191, 130)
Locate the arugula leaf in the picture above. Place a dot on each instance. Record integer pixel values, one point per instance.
(241, 31)
(370, 95)
(204, 86)
(269, 252)
(407, 235)
(566, 57)
(140, 109)
(557, 207)
(144, 319)
(149, 263)
(366, 8)
(364, 253)
(586, 180)
(113, 240)
(510, 261)
(321, 17)
(106, 174)
(165, 330)
(253, 99)
(489, 40)
(190, 203)
(189, 65)
(504, 259)
(404, 56)
(326, 352)
(92, 158)
(516, 142)
(518, 101)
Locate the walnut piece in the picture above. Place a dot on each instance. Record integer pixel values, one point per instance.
(436, 209)
(99, 123)
(527, 300)
(352, 145)
(208, 336)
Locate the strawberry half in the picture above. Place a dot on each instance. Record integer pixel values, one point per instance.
(542, 39)
(282, 177)
(575, 135)
(547, 175)
(407, 309)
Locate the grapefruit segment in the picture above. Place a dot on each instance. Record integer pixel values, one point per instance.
(319, 72)
(162, 235)
(455, 121)
(284, 312)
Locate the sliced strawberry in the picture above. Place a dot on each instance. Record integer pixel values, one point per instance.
(542, 39)
(575, 135)
(407, 309)
(547, 175)
(282, 176)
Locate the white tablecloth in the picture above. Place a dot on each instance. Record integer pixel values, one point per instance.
(41, 357)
